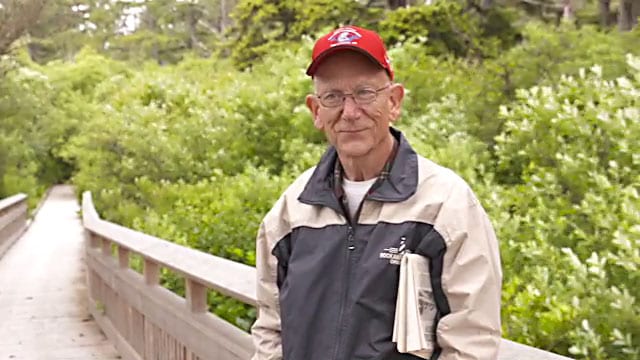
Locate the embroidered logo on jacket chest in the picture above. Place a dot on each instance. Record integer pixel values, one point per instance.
(394, 254)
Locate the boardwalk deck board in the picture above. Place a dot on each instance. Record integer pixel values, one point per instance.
(43, 295)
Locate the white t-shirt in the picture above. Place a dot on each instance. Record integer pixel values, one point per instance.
(355, 192)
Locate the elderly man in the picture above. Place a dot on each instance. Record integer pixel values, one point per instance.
(328, 252)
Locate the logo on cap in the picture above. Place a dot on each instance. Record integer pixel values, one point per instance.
(344, 36)
(387, 60)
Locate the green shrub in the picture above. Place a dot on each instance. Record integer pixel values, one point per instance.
(567, 215)
(197, 153)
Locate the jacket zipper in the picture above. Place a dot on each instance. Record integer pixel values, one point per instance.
(351, 246)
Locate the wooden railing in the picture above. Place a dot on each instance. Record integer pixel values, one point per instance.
(147, 321)
(13, 220)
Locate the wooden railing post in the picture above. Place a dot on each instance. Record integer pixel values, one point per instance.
(151, 272)
(151, 322)
(196, 296)
(94, 240)
(123, 257)
(106, 247)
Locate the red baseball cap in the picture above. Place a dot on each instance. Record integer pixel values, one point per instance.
(354, 38)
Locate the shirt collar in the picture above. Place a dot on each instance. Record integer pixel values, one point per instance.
(397, 182)
(338, 174)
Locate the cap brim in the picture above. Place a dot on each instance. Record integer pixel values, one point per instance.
(311, 70)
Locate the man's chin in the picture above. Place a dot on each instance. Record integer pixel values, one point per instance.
(352, 150)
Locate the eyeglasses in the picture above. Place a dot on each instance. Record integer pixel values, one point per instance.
(361, 96)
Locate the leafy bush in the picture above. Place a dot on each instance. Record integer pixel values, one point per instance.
(569, 213)
(30, 132)
(197, 153)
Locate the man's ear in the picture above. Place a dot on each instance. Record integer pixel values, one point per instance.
(395, 100)
(314, 107)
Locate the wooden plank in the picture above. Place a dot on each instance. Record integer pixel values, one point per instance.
(77, 352)
(106, 246)
(9, 235)
(43, 294)
(167, 317)
(123, 257)
(15, 213)
(151, 272)
(94, 240)
(203, 333)
(12, 200)
(196, 296)
(13, 223)
(223, 275)
(136, 324)
(124, 349)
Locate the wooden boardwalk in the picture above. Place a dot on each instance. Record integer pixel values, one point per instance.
(43, 295)
(44, 312)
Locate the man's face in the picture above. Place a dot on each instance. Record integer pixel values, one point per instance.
(354, 129)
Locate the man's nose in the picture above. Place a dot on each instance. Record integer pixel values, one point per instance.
(350, 110)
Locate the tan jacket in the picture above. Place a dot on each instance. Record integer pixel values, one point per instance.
(327, 286)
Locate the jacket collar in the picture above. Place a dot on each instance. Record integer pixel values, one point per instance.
(401, 183)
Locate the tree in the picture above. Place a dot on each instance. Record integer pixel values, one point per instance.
(628, 13)
(65, 26)
(162, 30)
(394, 4)
(260, 23)
(604, 7)
(16, 17)
(167, 29)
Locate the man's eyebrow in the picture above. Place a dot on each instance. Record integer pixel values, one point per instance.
(367, 85)
(328, 89)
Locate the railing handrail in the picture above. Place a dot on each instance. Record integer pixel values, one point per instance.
(12, 200)
(13, 220)
(209, 270)
(213, 271)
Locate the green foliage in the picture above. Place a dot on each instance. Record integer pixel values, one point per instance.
(565, 129)
(441, 134)
(221, 215)
(241, 315)
(30, 134)
(548, 53)
(262, 25)
(171, 125)
(481, 87)
(569, 215)
(446, 27)
(565, 203)
(197, 152)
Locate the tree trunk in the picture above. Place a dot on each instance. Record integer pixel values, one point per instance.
(635, 12)
(223, 16)
(567, 10)
(604, 9)
(625, 15)
(486, 4)
(17, 17)
(192, 20)
(394, 4)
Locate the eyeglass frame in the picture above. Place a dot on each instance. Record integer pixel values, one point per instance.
(344, 96)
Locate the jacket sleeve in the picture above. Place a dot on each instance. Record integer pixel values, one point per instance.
(266, 330)
(471, 281)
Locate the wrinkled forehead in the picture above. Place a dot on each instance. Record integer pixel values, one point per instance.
(348, 68)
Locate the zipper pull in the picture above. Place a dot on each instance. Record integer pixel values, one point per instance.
(350, 238)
